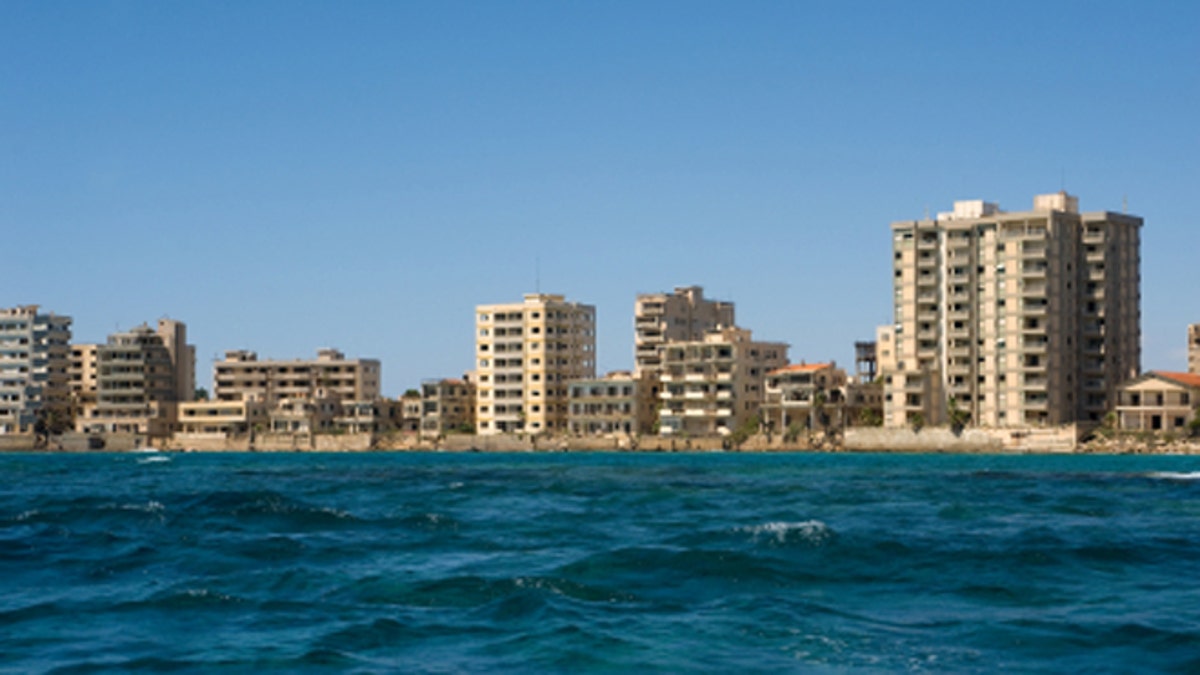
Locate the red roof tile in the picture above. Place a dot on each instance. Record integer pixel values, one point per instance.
(1186, 379)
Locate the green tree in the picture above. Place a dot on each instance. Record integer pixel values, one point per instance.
(201, 394)
(867, 417)
(958, 417)
(744, 432)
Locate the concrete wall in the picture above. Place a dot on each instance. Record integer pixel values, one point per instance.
(342, 442)
(940, 439)
(16, 442)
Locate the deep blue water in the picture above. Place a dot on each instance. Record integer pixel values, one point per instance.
(598, 562)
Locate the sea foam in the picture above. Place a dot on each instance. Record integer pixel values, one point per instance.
(812, 532)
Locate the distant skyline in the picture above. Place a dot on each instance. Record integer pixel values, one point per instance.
(286, 176)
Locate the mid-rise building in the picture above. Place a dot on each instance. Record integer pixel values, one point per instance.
(372, 416)
(141, 378)
(1194, 348)
(712, 386)
(811, 396)
(682, 316)
(407, 412)
(34, 360)
(241, 375)
(526, 354)
(81, 376)
(1025, 318)
(447, 406)
(306, 415)
(618, 403)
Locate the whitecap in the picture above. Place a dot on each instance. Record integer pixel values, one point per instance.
(1175, 475)
(779, 532)
(153, 458)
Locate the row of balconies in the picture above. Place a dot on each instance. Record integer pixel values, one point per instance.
(696, 412)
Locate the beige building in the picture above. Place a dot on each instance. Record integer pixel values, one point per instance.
(618, 403)
(141, 378)
(241, 375)
(1159, 401)
(447, 406)
(683, 316)
(811, 396)
(1023, 319)
(710, 387)
(221, 419)
(81, 376)
(407, 413)
(1194, 348)
(864, 403)
(373, 416)
(316, 414)
(34, 360)
(526, 354)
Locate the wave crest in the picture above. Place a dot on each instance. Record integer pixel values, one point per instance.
(811, 532)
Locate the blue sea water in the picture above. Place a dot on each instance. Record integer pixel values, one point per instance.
(571, 562)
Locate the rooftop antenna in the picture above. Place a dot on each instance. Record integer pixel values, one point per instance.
(1124, 203)
(1063, 186)
(537, 274)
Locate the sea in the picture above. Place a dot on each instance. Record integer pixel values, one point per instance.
(598, 562)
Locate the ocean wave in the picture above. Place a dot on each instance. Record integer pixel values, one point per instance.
(267, 504)
(811, 532)
(1174, 475)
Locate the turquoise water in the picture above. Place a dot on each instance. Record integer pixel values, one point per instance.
(598, 562)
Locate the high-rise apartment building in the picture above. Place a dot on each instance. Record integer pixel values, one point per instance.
(34, 359)
(711, 386)
(682, 316)
(142, 376)
(1194, 348)
(526, 353)
(1013, 319)
(331, 375)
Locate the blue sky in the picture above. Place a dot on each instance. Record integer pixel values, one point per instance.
(290, 175)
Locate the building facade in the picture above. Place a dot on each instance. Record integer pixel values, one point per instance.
(710, 387)
(241, 375)
(1159, 401)
(809, 396)
(619, 403)
(81, 377)
(526, 354)
(1194, 348)
(141, 379)
(34, 360)
(682, 316)
(220, 419)
(1021, 319)
(447, 406)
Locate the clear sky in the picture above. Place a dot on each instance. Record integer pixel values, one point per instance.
(284, 176)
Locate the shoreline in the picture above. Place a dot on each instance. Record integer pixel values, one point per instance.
(659, 445)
